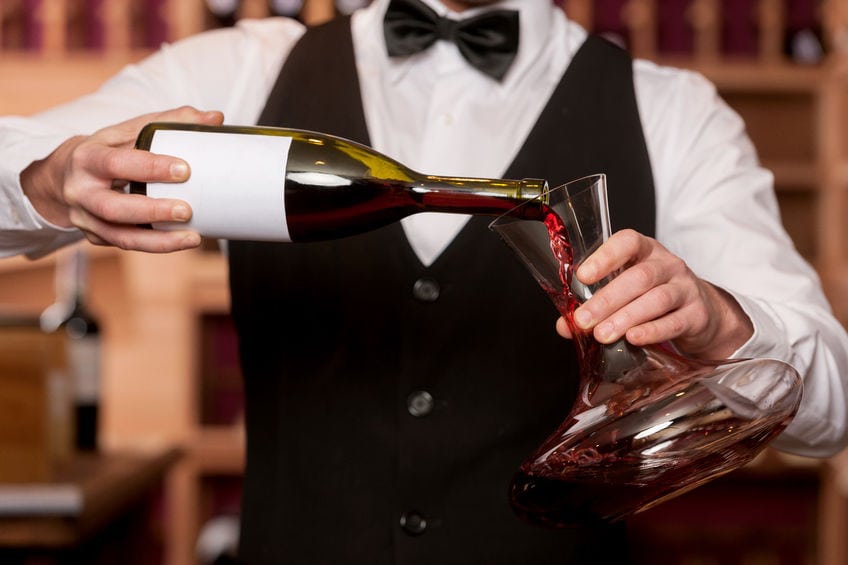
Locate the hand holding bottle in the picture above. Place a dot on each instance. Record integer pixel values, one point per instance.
(264, 183)
(81, 184)
(656, 298)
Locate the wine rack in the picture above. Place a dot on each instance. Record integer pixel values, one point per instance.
(155, 310)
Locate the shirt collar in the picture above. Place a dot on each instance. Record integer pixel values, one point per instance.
(535, 17)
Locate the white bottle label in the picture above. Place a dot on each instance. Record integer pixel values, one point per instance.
(222, 7)
(290, 8)
(237, 184)
(84, 363)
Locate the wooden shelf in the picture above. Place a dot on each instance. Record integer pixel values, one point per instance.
(753, 76)
(792, 176)
(10, 265)
(34, 81)
(211, 292)
(841, 175)
(219, 450)
(84, 495)
(151, 305)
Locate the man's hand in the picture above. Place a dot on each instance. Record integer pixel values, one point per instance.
(81, 185)
(656, 298)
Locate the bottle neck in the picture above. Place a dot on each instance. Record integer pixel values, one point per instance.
(480, 196)
(76, 277)
(71, 278)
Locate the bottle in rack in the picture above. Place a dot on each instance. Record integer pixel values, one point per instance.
(609, 21)
(272, 184)
(675, 34)
(803, 42)
(739, 28)
(223, 13)
(69, 314)
(346, 7)
(286, 8)
(152, 26)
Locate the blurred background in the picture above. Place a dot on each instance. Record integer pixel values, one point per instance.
(120, 393)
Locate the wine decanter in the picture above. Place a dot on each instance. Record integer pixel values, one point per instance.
(648, 423)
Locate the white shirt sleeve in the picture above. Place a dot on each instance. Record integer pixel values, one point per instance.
(231, 70)
(715, 204)
(717, 210)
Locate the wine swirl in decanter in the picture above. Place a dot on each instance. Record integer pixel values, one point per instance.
(648, 423)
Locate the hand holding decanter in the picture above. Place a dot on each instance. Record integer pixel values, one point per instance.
(648, 423)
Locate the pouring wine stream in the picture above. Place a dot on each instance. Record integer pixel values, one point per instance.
(648, 423)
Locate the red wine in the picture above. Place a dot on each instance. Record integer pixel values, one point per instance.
(613, 488)
(274, 184)
(638, 433)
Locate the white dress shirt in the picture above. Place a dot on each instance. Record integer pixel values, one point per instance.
(432, 111)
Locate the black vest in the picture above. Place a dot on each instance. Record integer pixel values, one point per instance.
(335, 341)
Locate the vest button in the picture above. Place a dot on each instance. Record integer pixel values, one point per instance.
(419, 403)
(426, 289)
(413, 523)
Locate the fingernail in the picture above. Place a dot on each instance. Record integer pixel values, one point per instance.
(179, 170)
(587, 270)
(604, 332)
(191, 240)
(636, 334)
(582, 318)
(180, 213)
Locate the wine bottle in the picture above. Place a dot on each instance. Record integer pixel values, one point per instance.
(610, 23)
(347, 7)
(739, 28)
(272, 184)
(803, 42)
(70, 315)
(285, 8)
(223, 12)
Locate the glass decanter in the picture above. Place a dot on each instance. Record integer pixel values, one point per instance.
(648, 423)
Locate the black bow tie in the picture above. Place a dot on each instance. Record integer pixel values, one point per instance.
(488, 41)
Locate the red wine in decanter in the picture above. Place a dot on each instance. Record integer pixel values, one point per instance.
(648, 425)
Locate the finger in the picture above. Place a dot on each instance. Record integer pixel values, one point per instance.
(602, 307)
(140, 239)
(666, 328)
(621, 249)
(563, 329)
(656, 304)
(125, 133)
(94, 238)
(105, 162)
(131, 209)
(187, 114)
(647, 273)
(151, 241)
(630, 284)
(109, 156)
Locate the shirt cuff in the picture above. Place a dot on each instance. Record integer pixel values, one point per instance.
(769, 338)
(813, 431)
(23, 231)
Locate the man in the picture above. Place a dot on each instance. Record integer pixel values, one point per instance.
(395, 380)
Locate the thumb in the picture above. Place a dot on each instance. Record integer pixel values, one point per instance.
(563, 329)
(125, 133)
